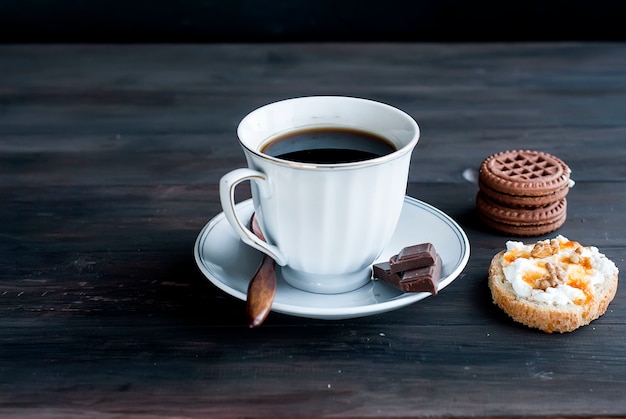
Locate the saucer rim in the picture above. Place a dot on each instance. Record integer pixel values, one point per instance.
(337, 313)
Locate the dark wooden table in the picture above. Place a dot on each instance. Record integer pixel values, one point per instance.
(109, 162)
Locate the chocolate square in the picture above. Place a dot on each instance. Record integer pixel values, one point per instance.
(425, 279)
(412, 257)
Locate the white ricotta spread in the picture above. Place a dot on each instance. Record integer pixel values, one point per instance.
(582, 269)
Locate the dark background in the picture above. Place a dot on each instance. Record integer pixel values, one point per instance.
(307, 21)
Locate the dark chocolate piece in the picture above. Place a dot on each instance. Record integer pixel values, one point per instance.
(381, 271)
(425, 279)
(412, 257)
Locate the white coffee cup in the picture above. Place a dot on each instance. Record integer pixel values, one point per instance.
(324, 223)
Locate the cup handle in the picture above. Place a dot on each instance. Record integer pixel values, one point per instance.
(227, 197)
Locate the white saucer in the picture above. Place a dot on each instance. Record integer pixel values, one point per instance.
(229, 264)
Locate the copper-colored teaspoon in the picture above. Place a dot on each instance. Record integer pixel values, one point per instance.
(262, 286)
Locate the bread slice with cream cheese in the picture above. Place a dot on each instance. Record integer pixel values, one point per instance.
(554, 285)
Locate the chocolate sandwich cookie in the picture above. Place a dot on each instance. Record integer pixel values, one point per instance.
(523, 192)
(522, 201)
(524, 173)
(519, 221)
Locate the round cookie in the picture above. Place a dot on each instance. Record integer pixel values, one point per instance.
(520, 201)
(522, 221)
(521, 216)
(523, 192)
(524, 173)
(527, 230)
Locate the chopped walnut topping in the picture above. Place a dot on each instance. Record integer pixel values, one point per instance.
(540, 250)
(556, 273)
(543, 284)
(555, 276)
(545, 249)
(574, 258)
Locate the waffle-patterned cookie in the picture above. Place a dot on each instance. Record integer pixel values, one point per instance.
(522, 201)
(524, 173)
(522, 221)
(523, 192)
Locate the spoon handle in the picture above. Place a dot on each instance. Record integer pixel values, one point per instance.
(262, 286)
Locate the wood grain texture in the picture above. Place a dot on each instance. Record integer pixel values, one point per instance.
(109, 161)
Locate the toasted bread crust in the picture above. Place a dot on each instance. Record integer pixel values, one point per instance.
(543, 316)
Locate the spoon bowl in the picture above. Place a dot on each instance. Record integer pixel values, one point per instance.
(262, 286)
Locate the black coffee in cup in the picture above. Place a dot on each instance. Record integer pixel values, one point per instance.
(328, 145)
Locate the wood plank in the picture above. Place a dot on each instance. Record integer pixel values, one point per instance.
(109, 161)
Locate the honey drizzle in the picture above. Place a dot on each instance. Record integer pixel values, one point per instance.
(534, 277)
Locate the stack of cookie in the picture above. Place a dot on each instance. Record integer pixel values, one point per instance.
(523, 192)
